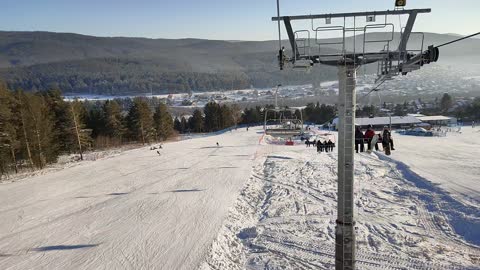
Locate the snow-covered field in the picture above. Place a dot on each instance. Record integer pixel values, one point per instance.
(246, 205)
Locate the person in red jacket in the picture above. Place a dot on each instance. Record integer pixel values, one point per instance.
(369, 136)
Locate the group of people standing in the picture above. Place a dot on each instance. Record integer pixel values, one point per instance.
(385, 138)
(326, 146)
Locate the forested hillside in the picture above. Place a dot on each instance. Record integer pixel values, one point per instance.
(99, 65)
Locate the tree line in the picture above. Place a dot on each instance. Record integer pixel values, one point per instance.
(36, 128)
(215, 117)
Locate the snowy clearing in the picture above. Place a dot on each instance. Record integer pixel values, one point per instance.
(245, 205)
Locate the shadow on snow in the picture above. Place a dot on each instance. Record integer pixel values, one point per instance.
(464, 219)
(63, 247)
(187, 190)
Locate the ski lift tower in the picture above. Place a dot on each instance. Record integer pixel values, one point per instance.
(309, 47)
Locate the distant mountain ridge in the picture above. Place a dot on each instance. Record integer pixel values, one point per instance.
(119, 65)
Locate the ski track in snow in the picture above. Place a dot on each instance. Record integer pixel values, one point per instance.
(238, 206)
(285, 217)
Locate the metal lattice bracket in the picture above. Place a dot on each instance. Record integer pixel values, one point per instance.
(392, 61)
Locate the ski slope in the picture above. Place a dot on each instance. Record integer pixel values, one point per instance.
(285, 216)
(137, 210)
(245, 205)
(452, 161)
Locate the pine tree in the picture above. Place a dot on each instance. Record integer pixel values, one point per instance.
(177, 125)
(96, 121)
(163, 122)
(140, 121)
(63, 134)
(196, 121)
(113, 119)
(226, 117)
(252, 115)
(212, 117)
(446, 102)
(8, 136)
(398, 110)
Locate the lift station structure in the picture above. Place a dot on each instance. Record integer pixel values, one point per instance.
(310, 47)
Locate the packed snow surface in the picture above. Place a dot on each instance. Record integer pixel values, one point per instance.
(246, 204)
(137, 210)
(453, 161)
(285, 216)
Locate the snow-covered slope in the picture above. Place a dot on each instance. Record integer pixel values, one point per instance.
(453, 162)
(137, 210)
(246, 205)
(285, 217)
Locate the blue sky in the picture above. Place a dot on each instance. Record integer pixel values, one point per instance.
(212, 19)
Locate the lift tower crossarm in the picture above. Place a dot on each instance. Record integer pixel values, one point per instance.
(354, 14)
(408, 30)
(291, 36)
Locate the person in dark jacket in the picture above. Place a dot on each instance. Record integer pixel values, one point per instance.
(319, 146)
(380, 139)
(331, 145)
(369, 136)
(387, 138)
(359, 137)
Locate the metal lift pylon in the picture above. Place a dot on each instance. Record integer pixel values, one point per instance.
(390, 63)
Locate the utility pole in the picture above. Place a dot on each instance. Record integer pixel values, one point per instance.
(391, 62)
